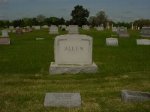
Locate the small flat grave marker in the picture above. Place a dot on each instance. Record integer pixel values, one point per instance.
(134, 96)
(143, 42)
(68, 100)
(111, 41)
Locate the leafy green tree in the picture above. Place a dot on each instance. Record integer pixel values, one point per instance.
(79, 15)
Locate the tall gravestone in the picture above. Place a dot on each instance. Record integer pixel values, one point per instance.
(53, 29)
(73, 54)
(4, 39)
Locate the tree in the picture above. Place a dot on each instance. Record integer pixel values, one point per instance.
(79, 15)
(101, 18)
(40, 18)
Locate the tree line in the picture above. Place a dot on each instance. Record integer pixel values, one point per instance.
(80, 16)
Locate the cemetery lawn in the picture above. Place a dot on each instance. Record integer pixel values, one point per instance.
(25, 79)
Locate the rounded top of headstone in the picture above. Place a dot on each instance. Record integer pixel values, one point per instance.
(76, 36)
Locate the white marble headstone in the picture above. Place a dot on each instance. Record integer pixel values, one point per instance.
(100, 28)
(143, 42)
(145, 32)
(73, 49)
(85, 27)
(73, 54)
(5, 33)
(53, 29)
(73, 29)
(111, 41)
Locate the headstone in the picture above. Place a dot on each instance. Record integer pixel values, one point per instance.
(36, 27)
(45, 26)
(111, 41)
(69, 100)
(4, 39)
(53, 29)
(73, 54)
(85, 27)
(11, 27)
(122, 32)
(143, 42)
(145, 32)
(73, 29)
(5, 33)
(114, 29)
(100, 28)
(135, 96)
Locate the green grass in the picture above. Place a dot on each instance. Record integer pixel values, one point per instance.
(24, 76)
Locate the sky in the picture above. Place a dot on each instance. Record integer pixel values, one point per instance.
(116, 10)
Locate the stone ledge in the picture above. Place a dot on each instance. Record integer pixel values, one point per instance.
(73, 69)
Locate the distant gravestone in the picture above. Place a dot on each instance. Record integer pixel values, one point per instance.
(73, 29)
(36, 27)
(45, 26)
(134, 96)
(85, 27)
(114, 29)
(53, 29)
(63, 27)
(100, 28)
(143, 42)
(111, 41)
(5, 33)
(73, 54)
(4, 39)
(122, 32)
(69, 100)
(145, 32)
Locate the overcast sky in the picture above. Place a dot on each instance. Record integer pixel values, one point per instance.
(118, 10)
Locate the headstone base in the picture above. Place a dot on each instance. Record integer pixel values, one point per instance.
(73, 69)
(4, 41)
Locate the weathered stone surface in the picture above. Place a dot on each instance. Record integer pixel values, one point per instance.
(134, 96)
(85, 27)
(53, 29)
(5, 33)
(4, 41)
(72, 69)
(111, 41)
(145, 32)
(73, 29)
(68, 100)
(73, 54)
(143, 42)
(122, 32)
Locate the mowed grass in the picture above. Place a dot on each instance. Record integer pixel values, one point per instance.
(25, 78)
